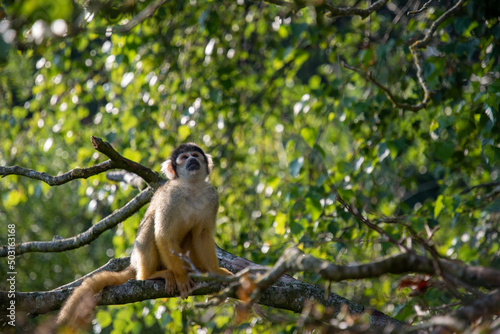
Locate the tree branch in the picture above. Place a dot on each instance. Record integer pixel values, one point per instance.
(368, 76)
(424, 7)
(355, 212)
(424, 42)
(116, 161)
(287, 293)
(463, 317)
(483, 185)
(150, 176)
(59, 245)
(334, 11)
(293, 259)
(350, 11)
(417, 60)
(139, 18)
(77, 173)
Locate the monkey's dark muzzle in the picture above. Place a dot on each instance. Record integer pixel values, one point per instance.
(193, 164)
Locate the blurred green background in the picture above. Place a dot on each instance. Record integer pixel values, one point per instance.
(262, 89)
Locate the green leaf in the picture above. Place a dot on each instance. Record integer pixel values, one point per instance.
(132, 154)
(444, 151)
(313, 207)
(184, 131)
(434, 126)
(315, 82)
(438, 206)
(279, 223)
(104, 318)
(310, 135)
(492, 154)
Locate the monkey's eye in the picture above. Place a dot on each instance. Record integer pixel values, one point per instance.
(196, 155)
(184, 157)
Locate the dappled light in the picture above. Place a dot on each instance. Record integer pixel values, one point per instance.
(356, 151)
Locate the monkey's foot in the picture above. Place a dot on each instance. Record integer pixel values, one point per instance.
(185, 287)
(169, 278)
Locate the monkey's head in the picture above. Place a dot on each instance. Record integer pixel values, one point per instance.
(187, 161)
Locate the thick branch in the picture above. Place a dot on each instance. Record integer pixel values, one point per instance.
(59, 245)
(294, 260)
(77, 173)
(287, 293)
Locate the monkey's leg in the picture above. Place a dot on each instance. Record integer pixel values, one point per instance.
(169, 258)
(203, 250)
(145, 258)
(169, 278)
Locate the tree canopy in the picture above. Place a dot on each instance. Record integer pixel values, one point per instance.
(356, 147)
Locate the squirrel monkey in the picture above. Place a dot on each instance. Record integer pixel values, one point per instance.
(179, 220)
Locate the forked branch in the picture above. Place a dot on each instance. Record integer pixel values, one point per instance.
(84, 238)
(415, 50)
(116, 161)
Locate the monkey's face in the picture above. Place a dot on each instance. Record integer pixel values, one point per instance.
(188, 161)
(189, 165)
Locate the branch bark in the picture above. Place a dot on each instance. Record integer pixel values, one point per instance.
(150, 176)
(293, 259)
(77, 173)
(287, 293)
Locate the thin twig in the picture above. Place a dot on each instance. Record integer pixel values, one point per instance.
(139, 18)
(350, 11)
(424, 7)
(333, 11)
(419, 64)
(483, 185)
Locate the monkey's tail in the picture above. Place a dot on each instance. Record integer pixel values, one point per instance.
(77, 310)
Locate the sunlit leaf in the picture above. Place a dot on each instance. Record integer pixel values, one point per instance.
(438, 206)
(309, 135)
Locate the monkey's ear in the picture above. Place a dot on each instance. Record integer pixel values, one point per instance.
(168, 169)
(210, 163)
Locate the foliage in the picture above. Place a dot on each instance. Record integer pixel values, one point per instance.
(262, 88)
